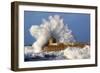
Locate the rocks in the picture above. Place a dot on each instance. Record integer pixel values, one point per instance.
(70, 53)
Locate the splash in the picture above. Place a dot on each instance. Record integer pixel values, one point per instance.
(52, 27)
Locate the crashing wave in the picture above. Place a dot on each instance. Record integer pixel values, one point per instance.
(77, 52)
(53, 27)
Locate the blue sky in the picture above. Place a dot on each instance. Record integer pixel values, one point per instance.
(79, 24)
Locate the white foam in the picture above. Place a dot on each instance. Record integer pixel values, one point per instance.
(53, 27)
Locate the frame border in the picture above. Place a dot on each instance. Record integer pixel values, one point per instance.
(15, 30)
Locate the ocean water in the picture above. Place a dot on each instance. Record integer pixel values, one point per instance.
(43, 57)
(67, 54)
